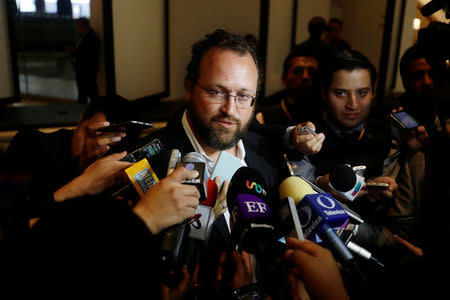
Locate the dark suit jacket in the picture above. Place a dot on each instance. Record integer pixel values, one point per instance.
(262, 153)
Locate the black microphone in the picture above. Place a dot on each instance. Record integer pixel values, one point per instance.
(172, 249)
(345, 181)
(433, 6)
(253, 230)
(250, 216)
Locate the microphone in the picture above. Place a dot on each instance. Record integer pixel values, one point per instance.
(250, 216)
(345, 181)
(346, 236)
(204, 213)
(173, 241)
(196, 161)
(433, 6)
(142, 175)
(319, 214)
(253, 230)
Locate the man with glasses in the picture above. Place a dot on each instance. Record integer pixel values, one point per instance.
(222, 82)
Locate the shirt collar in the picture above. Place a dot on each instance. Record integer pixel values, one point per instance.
(339, 129)
(198, 148)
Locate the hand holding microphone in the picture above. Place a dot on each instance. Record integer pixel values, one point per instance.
(169, 202)
(304, 138)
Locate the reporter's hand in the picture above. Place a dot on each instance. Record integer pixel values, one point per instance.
(96, 143)
(316, 267)
(416, 138)
(221, 202)
(97, 178)
(386, 193)
(306, 143)
(169, 202)
(244, 271)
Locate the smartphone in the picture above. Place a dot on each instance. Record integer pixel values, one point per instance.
(404, 120)
(377, 185)
(126, 126)
(151, 149)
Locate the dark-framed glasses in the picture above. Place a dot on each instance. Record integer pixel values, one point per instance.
(219, 97)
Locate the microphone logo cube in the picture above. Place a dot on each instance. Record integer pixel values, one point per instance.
(142, 176)
(200, 181)
(252, 207)
(317, 211)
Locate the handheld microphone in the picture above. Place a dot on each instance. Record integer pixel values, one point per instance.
(346, 236)
(253, 230)
(173, 240)
(250, 216)
(319, 214)
(433, 6)
(196, 161)
(345, 181)
(290, 223)
(352, 214)
(127, 191)
(172, 253)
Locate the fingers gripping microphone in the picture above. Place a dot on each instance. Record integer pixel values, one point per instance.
(319, 214)
(345, 181)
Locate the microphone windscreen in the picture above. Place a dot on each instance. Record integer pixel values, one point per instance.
(296, 188)
(342, 178)
(246, 181)
(432, 7)
(194, 157)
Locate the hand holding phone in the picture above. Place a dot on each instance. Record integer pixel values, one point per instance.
(404, 120)
(377, 185)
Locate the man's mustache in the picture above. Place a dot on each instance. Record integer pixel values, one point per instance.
(226, 119)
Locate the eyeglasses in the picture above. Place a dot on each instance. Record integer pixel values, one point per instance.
(218, 97)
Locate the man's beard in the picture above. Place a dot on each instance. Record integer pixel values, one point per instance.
(218, 138)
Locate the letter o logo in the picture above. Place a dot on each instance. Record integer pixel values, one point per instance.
(328, 203)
